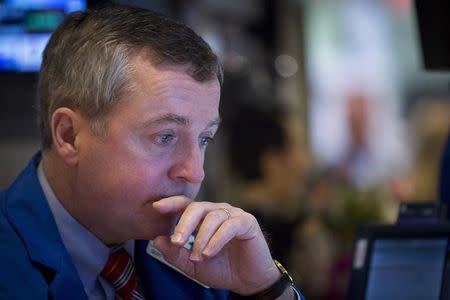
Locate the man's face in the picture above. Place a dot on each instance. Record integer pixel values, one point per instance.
(154, 147)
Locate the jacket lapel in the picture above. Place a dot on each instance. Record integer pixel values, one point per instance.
(30, 214)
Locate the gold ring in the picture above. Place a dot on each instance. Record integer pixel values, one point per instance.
(227, 212)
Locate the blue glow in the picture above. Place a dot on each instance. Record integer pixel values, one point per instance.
(22, 42)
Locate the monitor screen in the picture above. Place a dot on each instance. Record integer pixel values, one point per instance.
(25, 28)
(400, 262)
(406, 269)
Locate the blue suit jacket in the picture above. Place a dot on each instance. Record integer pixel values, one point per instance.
(34, 263)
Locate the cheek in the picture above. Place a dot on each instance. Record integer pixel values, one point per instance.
(117, 169)
(122, 178)
(138, 180)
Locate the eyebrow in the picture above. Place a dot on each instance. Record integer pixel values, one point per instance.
(180, 120)
(215, 123)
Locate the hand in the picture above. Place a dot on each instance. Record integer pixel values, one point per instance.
(229, 251)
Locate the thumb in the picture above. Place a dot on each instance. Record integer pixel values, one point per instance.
(173, 204)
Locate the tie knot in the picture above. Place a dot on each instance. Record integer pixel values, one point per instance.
(119, 271)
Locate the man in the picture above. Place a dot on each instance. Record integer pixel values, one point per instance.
(128, 103)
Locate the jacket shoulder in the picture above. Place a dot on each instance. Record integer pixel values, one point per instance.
(19, 278)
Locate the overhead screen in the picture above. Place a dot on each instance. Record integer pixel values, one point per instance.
(25, 28)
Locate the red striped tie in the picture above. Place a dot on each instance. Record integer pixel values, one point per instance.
(119, 271)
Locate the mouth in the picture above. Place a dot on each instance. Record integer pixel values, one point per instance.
(184, 193)
(158, 197)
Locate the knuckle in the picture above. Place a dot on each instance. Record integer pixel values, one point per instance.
(225, 205)
(251, 218)
(240, 211)
(217, 213)
(213, 215)
(193, 206)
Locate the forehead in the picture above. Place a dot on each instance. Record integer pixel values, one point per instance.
(147, 74)
(164, 89)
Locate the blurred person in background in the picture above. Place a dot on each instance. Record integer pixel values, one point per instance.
(430, 122)
(338, 200)
(269, 157)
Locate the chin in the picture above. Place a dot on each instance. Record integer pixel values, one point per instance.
(164, 227)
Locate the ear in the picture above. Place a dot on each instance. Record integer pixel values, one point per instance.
(64, 133)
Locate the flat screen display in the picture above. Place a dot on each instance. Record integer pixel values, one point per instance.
(401, 262)
(25, 28)
(406, 269)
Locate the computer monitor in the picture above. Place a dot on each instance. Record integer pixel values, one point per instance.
(400, 262)
(25, 28)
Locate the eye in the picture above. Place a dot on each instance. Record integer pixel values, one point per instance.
(204, 141)
(164, 139)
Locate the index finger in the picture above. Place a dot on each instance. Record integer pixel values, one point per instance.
(192, 218)
(173, 204)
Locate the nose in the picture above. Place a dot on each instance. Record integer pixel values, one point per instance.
(188, 166)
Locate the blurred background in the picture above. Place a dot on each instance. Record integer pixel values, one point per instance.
(332, 114)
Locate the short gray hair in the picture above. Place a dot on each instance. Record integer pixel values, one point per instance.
(86, 64)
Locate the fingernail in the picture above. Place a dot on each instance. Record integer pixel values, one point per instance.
(207, 252)
(176, 238)
(195, 256)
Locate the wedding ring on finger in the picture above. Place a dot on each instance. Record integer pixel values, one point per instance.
(227, 212)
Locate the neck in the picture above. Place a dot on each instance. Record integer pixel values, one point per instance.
(64, 183)
(59, 177)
